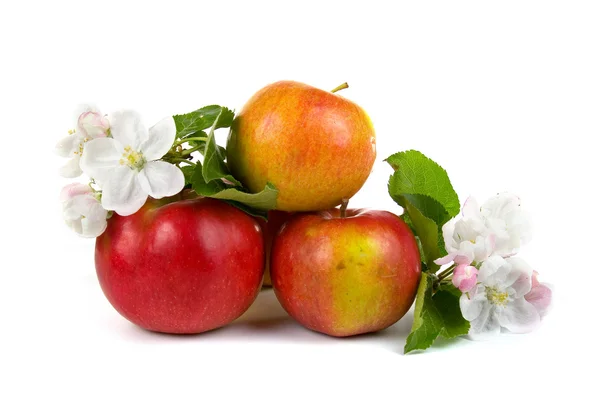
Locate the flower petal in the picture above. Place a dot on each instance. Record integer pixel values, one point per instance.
(486, 323)
(92, 124)
(480, 249)
(445, 260)
(463, 258)
(74, 189)
(448, 233)
(519, 316)
(492, 272)
(127, 128)
(465, 253)
(75, 224)
(122, 192)
(471, 305)
(534, 279)
(540, 297)
(69, 213)
(519, 226)
(160, 139)
(100, 157)
(91, 228)
(519, 277)
(160, 179)
(71, 169)
(93, 222)
(68, 145)
(471, 208)
(500, 205)
(83, 108)
(88, 207)
(464, 277)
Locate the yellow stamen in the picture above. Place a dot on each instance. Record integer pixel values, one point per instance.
(133, 159)
(496, 297)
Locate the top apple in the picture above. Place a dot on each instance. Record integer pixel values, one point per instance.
(315, 146)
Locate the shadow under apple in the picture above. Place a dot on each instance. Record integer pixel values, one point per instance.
(267, 321)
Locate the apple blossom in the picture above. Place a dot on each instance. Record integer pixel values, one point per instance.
(464, 277)
(497, 301)
(127, 166)
(467, 237)
(540, 295)
(90, 124)
(499, 227)
(511, 227)
(82, 210)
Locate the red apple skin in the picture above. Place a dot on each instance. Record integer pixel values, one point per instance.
(315, 146)
(270, 228)
(181, 267)
(345, 276)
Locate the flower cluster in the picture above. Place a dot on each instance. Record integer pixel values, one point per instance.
(123, 161)
(500, 291)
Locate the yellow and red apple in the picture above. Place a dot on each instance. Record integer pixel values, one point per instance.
(315, 146)
(346, 274)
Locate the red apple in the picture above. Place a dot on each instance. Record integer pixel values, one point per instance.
(184, 266)
(345, 275)
(315, 146)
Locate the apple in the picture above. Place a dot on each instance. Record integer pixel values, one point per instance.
(345, 273)
(270, 228)
(181, 266)
(315, 146)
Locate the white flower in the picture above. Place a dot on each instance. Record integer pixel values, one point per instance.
(90, 124)
(499, 227)
(126, 166)
(510, 226)
(498, 299)
(82, 210)
(467, 237)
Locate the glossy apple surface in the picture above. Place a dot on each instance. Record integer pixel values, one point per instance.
(185, 266)
(315, 146)
(345, 276)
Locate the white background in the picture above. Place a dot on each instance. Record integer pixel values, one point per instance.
(504, 95)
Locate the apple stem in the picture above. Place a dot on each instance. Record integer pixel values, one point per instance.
(342, 86)
(343, 208)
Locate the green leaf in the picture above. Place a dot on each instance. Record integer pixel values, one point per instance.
(435, 314)
(249, 210)
(263, 200)
(448, 306)
(214, 159)
(196, 121)
(253, 203)
(427, 323)
(429, 207)
(428, 233)
(188, 172)
(211, 177)
(449, 287)
(418, 175)
(423, 189)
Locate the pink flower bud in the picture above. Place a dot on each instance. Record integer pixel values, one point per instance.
(74, 189)
(93, 124)
(464, 277)
(540, 295)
